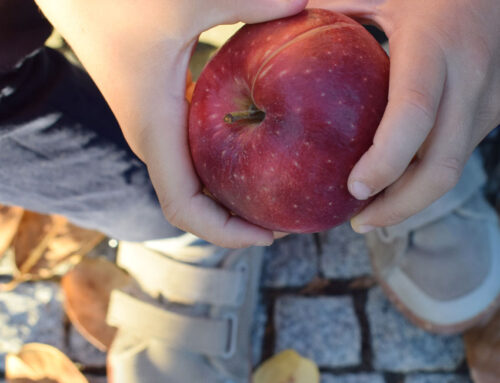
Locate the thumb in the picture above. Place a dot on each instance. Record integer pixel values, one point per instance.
(256, 11)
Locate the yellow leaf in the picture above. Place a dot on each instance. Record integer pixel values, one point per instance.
(287, 367)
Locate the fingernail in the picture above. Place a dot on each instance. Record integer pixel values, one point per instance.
(360, 191)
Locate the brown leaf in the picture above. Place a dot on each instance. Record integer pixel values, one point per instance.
(10, 217)
(87, 289)
(482, 345)
(41, 363)
(43, 243)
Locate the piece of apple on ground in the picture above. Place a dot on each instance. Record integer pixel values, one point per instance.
(282, 113)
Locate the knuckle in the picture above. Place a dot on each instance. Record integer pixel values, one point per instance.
(171, 210)
(446, 173)
(395, 216)
(422, 103)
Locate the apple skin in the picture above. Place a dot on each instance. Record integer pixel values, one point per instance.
(322, 81)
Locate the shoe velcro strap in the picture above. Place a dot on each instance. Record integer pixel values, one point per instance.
(211, 337)
(181, 282)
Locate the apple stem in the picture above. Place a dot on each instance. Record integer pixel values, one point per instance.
(251, 115)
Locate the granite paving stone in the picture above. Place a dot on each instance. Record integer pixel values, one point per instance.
(31, 313)
(290, 262)
(324, 329)
(83, 352)
(437, 378)
(344, 253)
(352, 378)
(399, 346)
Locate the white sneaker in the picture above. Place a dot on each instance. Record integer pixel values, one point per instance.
(194, 323)
(441, 268)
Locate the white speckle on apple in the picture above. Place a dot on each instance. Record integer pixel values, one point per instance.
(268, 38)
(330, 188)
(271, 169)
(200, 122)
(222, 68)
(268, 52)
(307, 71)
(215, 77)
(362, 107)
(213, 116)
(223, 152)
(353, 139)
(329, 53)
(252, 43)
(297, 221)
(323, 94)
(283, 72)
(229, 50)
(307, 143)
(330, 70)
(242, 177)
(207, 90)
(361, 57)
(340, 102)
(204, 164)
(365, 79)
(330, 203)
(277, 133)
(307, 198)
(298, 109)
(329, 161)
(328, 122)
(296, 164)
(248, 198)
(353, 126)
(295, 206)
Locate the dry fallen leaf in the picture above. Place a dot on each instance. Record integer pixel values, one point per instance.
(10, 217)
(482, 345)
(86, 290)
(44, 243)
(41, 363)
(287, 367)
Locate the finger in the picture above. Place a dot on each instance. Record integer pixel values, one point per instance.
(255, 11)
(361, 9)
(438, 169)
(180, 193)
(417, 77)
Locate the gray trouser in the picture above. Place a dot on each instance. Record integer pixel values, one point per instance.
(62, 152)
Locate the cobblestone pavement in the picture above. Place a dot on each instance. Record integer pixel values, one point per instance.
(317, 297)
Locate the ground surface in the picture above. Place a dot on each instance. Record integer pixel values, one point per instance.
(317, 297)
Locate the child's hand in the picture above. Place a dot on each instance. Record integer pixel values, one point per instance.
(137, 53)
(444, 98)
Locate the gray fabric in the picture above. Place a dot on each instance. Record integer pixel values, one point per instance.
(62, 151)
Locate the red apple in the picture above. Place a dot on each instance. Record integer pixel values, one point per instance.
(282, 113)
